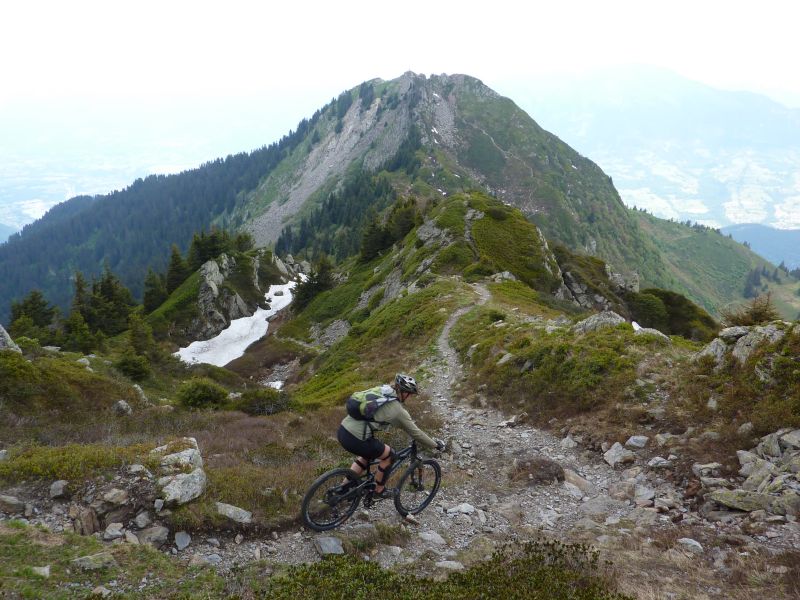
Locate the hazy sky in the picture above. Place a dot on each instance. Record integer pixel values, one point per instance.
(94, 94)
(153, 49)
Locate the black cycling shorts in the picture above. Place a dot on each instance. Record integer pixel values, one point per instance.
(369, 448)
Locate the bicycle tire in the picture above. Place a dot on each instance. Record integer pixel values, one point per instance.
(315, 505)
(414, 496)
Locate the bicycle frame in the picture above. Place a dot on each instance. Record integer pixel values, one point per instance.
(368, 485)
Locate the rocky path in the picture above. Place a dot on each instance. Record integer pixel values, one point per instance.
(558, 488)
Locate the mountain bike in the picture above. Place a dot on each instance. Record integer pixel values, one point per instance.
(335, 495)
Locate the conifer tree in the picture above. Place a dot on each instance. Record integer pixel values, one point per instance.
(155, 291)
(177, 271)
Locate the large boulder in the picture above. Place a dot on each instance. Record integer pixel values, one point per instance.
(11, 505)
(607, 318)
(741, 499)
(183, 487)
(6, 343)
(618, 455)
(715, 349)
(757, 336)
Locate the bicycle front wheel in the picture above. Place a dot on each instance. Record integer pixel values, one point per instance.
(331, 500)
(418, 486)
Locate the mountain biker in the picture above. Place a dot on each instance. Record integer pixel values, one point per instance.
(358, 436)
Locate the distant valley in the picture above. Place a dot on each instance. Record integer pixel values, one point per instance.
(678, 148)
(776, 245)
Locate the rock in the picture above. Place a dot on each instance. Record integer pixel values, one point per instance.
(706, 470)
(568, 443)
(757, 336)
(234, 513)
(432, 537)
(42, 571)
(791, 439)
(659, 462)
(643, 496)
(325, 545)
(741, 499)
(182, 540)
(582, 484)
(731, 334)
(95, 562)
(652, 332)
(113, 531)
(637, 442)
(573, 490)
(58, 489)
(663, 439)
(786, 504)
(116, 496)
(617, 455)
(183, 487)
(185, 459)
(238, 539)
(449, 565)
(214, 559)
(505, 358)
(759, 472)
(155, 536)
(86, 522)
(131, 538)
(601, 507)
(622, 490)
(745, 429)
(142, 520)
(769, 446)
(463, 508)
(11, 505)
(6, 343)
(198, 560)
(599, 321)
(712, 483)
(643, 517)
(101, 592)
(715, 349)
(122, 408)
(712, 403)
(691, 545)
(3, 455)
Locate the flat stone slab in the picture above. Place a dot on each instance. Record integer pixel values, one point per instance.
(325, 545)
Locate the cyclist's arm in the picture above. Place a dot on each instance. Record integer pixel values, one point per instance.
(405, 422)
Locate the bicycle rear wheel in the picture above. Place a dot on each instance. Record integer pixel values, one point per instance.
(418, 486)
(327, 504)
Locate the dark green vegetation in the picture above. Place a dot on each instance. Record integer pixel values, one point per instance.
(131, 229)
(671, 313)
(537, 570)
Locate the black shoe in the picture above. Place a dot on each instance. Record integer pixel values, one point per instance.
(386, 494)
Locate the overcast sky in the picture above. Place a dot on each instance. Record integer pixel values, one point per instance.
(105, 71)
(153, 49)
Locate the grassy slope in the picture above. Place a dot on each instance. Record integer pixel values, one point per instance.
(711, 268)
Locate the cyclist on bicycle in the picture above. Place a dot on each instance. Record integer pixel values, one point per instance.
(358, 436)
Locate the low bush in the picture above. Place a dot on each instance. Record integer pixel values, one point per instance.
(134, 366)
(262, 401)
(202, 392)
(757, 312)
(73, 462)
(539, 570)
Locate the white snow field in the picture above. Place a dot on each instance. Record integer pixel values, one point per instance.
(231, 343)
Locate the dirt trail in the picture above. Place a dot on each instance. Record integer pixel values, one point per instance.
(491, 508)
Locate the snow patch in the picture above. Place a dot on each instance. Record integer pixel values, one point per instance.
(231, 343)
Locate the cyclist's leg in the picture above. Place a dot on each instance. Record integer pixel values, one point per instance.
(386, 460)
(360, 465)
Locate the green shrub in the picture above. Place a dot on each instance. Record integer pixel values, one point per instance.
(262, 401)
(757, 312)
(538, 570)
(202, 392)
(74, 462)
(648, 310)
(134, 366)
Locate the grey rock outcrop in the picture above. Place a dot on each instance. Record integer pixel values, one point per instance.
(601, 320)
(772, 472)
(757, 336)
(95, 562)
(6, 343)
